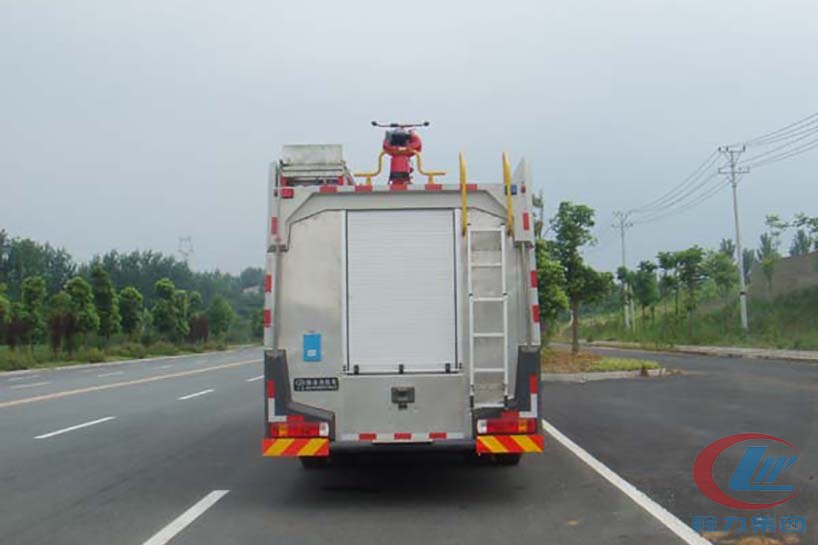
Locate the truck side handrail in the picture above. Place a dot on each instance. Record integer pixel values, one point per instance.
(509, 204)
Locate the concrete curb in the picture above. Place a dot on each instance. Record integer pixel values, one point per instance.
(112, 363)
(591, 377)
(719, 351)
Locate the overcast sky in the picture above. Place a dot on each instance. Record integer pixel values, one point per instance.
(129, 124)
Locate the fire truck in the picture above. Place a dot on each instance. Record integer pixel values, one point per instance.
(402, 315)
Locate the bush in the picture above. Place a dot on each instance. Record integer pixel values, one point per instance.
(215, 346)
(92, 355)
(130, 350)
(163, 348)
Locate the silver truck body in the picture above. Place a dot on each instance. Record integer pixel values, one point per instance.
(384, 319)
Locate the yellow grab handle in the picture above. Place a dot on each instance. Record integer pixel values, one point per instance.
(509, 205)
(464, 221)
(370, 175)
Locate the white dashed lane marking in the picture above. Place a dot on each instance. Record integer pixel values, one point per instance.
(77, 427)
(163, 536)
(197, 394)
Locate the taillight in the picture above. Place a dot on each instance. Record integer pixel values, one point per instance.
(287, 192)
(507, 425)
(299, 429)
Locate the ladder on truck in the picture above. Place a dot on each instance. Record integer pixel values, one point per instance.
(488, 316)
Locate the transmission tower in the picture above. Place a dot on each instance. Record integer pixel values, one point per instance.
(185, 248)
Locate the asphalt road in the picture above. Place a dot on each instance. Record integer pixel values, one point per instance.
(650, 430)
(131, 453)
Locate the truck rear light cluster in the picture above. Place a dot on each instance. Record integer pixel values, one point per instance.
(507, 424)
(287, 192)
(299, 429)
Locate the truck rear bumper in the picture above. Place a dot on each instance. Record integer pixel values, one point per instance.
(321, 447)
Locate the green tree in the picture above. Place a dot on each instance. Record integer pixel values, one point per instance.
(801, 243)
(646, 287)
(198, 324)
(728, 248)
(180, 302)
(61, 321)
(669, 282)
(722, 270)
(220, 315)
(572, 230)
(749, 260)
(82, 307)
(130, 310)
(810, 224)
(106, 302)
(768, 257)
(166, 314)
(691, 275)
(550, 282)
(5, 310)
(33, 300)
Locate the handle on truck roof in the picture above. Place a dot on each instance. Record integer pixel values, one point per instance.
(370, 175)
(430, 173)
(509, 205)
(464, 219)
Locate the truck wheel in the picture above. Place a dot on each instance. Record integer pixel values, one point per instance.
(507, 459)
(314, 462)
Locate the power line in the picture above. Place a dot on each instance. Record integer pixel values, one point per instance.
(812, 118)
(680, 190)
(805, 147)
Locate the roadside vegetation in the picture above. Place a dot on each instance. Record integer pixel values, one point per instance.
(117, 306)
(563, 361)
(691, 297)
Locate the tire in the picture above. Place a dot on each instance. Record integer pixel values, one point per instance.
(507, 459)
(314, 462)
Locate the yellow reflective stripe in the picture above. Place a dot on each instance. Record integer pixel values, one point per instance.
(312, 446)
(492, 444)
(278, 446)
(527, 444)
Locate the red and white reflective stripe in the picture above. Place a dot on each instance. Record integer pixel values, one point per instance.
(396, 187)
(534, 297)
(271, 404)
(268, 301)
(533, 384)
(402, 437)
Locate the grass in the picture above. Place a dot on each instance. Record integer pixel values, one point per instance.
(562, 361)
(41, 356)
(786, 322)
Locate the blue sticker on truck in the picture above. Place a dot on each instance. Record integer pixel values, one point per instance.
(312, 347)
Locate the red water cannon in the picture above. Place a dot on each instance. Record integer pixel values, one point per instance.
(401, 143)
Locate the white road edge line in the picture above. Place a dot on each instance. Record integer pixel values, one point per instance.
(112, 373)
(29, 385)
(661, 514)
(72, 428)
(163, 536)
(255, 378)
(197, 394)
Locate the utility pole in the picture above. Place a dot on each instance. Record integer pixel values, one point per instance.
(623, 224)
(732, 171)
